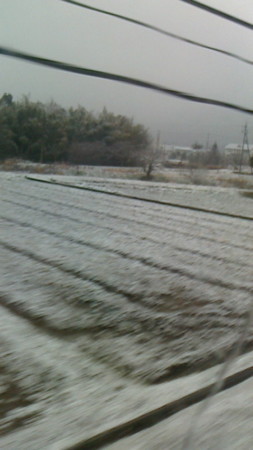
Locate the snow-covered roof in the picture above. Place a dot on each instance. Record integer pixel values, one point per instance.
(173, 148)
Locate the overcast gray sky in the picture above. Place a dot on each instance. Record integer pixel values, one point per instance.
(54, 29)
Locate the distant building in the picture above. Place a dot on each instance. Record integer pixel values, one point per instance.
(233, 150)
(176, 152)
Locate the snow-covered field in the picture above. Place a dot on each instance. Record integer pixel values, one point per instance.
(103, 297)
(227, 200)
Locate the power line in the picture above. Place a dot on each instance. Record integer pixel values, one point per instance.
(120, 78)
(219, 13)
(161, 31)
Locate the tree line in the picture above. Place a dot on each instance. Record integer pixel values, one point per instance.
(48, 133)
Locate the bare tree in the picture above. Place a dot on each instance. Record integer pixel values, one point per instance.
(151, 155)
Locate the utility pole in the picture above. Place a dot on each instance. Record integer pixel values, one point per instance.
(245, 146)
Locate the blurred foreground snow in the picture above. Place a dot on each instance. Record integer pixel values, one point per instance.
(102, 297)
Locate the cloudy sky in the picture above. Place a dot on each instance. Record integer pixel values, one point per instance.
(57, 30)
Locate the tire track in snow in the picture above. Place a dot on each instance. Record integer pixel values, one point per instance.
(132, 221)
(59, 266)
(109, 287)
(149, 214)
(75, 273)
(147, 261)
(142, 208)
(40, 322)
(129, 234)
(148, 238)
(142, 212)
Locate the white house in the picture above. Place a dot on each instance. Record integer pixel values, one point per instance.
(232, 150)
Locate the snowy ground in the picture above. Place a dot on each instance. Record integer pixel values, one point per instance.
(227, 200)
(226, 424)
(102, 297)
